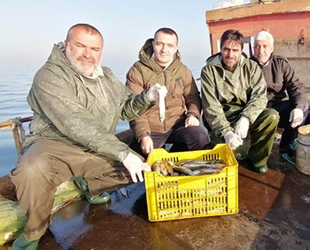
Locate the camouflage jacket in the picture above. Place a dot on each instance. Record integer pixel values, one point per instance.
(78, 111)
(183, 97)
(228, 95)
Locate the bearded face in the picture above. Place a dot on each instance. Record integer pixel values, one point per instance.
(85, 66)
(83, 50)
(231, 52)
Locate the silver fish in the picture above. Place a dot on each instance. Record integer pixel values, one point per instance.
(194, 166)
(197, 163)
(206, 171)
(183, 170)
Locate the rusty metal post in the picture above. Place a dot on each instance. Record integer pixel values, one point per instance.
(16, 136)
(11, 125)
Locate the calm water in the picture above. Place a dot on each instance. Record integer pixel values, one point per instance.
(14, 87)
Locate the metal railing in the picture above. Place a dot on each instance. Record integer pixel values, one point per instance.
(16, 126)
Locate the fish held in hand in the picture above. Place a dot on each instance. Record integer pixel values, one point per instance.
(162, 104)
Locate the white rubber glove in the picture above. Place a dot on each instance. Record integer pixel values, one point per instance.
(146, 145)
(191, 121)
(135, 166)
(233, 140)
(153, 92)
(296, 117)
(242, 127)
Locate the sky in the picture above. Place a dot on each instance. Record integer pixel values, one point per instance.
(29, 28)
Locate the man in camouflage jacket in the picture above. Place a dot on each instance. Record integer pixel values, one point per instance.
(77, 104)
(234, 102)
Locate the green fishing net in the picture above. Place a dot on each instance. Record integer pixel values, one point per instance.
(66, 193)
(13, 218)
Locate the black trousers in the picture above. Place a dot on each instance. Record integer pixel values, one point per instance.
(182, 138)
(289, 134)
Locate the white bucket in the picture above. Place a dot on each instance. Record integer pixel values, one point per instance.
(303, 150)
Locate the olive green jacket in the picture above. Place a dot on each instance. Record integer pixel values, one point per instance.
(228, 95)
(79, 111)
(183, 97)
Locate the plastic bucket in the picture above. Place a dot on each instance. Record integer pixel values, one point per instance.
(303, 150)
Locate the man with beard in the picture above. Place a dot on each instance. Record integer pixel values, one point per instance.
(77, 104)
(285, 92)
(159, 62)
(234, 102)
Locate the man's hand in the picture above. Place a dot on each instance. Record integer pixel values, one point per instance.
(242, 127)
(135, 166)
(296, 117)
(233, 140)
(153, 92)
(191, 121)
(146, 145)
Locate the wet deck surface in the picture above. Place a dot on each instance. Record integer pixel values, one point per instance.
(274, 213)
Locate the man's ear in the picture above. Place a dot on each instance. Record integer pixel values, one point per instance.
(176, 49)
(65, 43)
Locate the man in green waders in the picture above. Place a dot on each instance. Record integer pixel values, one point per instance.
(234, 102)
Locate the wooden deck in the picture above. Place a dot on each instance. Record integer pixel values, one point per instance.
(274, 214)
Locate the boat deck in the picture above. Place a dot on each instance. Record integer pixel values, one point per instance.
(274, 214)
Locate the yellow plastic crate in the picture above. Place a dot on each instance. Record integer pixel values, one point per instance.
(181, 197)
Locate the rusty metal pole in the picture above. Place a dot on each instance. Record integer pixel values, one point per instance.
(11, 125)
(18, 144)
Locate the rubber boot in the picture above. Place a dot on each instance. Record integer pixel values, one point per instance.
(290, 149)
(293, 146)
(288, 153)
(82, 184)
(259, 169)
(21, 243)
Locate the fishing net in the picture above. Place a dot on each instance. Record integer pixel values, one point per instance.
(65, 194)
(13, 218)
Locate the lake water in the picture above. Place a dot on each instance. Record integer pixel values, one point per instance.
(14, 86)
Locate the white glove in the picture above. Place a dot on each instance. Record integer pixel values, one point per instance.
(242, 127)
(191, 121)
(153, 92)
(146, 144)
(135, 166)
(233, 140)
(296, 117)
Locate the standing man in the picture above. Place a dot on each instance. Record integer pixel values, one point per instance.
(285, 91)
(77, 104)
(159, 62)
(234, 101)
